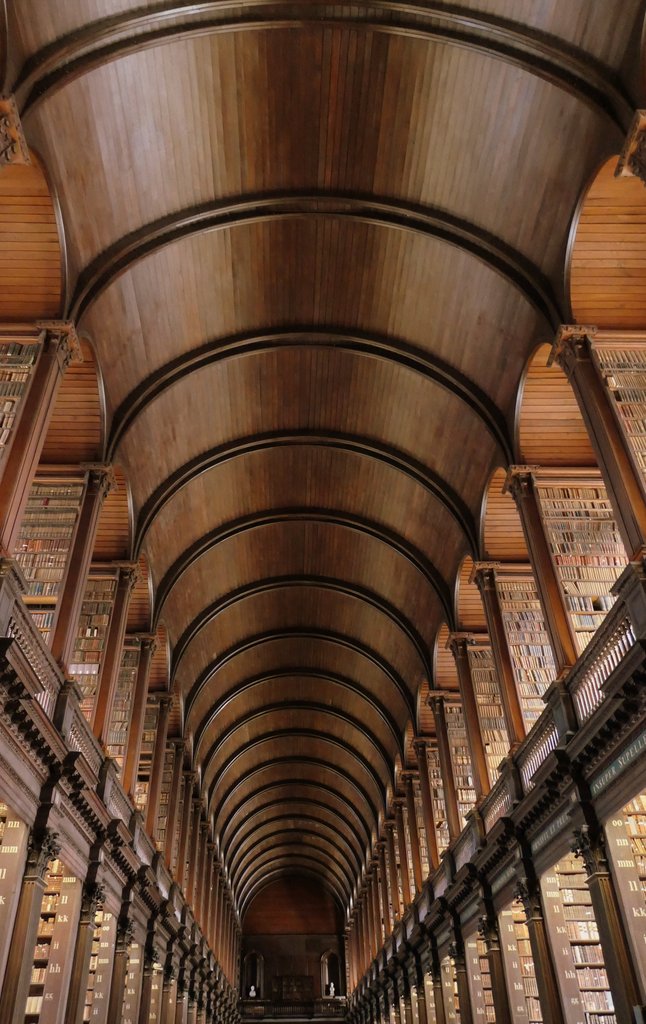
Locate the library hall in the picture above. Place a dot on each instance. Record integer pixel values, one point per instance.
(323, 512)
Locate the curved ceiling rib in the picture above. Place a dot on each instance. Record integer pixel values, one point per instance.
(292, 861)
(385, 212)
(280, 872)
(308, 514)
(245, 690)
(284, 582)
(537, 53)
(283, 841)
(369, 447)
(302, 811)
(296, 790)
(301, 827)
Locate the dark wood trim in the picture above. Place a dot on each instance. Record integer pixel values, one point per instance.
(292, 762)
(289, 857)
(380, 784)
(259, 712)
(269, 517)
(249, 683)
(338, 798)
(357, 444)
(280, 872)
(315, 582)
(306, 633)
(240, 847)
(536, 53)
(246, 870)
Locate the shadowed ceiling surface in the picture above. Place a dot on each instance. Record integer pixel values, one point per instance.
(314, 246)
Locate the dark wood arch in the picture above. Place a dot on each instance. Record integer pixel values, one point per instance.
(289, 784)
(295, 815)
(285, 855)
(280, 842)
(291, 762)
(259, 712)
(381, 709)
(349, 520)
(357, 444)
(316, 582)
(340, 639)
(326, 738)
(271, 876)
(535, 52)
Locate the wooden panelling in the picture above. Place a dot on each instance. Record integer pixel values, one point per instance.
(31, 262)
(297, 906)
(501, 527)
(551, 431)
(113, 529)
(607, 271)
(75, 431)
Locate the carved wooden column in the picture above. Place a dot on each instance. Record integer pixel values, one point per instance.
(215, 895)
(193, 852)
(459, 643)
(397, 908)
(488, 930)
(145, 999)
(528, 892)
(612, 934)
(119, 971)
(42, 848)
(557, 621)
(72, 590)
(485, 578)
(573, 352)
(438, 990)
(408, 780)
(200, 879)
(208, 890)
(361, 937)
(420, 747)
(157, 765)
(379, 926)
(381, 854)
(398, 805)
(147, 647)
(436, 702)
(174, 803)
(404, 997)
(59, 348)
(456, 952)
(92, 900)
(187, 797)
(113, 652)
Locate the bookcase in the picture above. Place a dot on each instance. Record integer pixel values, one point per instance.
(99, 975)
(626, 848)
(479, 976)
(528, 642)
(585, 544)
(156, 995)
(437, 797)
(132, 993)
(421, 829)
(489, 704)
(146, 753)
(122, 704)
(164, 796)
(409, 850)
(520, 974)
(51, 964)
(574, 938)
(91, 636)
(460, 759)
(13, 853)
(46, 536)
(17, 361)
(450, 990)
(622, 367)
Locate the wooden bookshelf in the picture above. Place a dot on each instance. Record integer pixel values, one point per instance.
(132, 993)
(520, 973)
(17, 361)
(51, 967)
(622, 367)
(626, 846)
(13, 851)
(460, 759)
(146, 753)
(437, 796)
(122, 704)
(44, 543)
(156, 995)
(574, 937)
(409, 850)
(489, 704)
(421, 830)
(450, 990)
(100, 971)
(164, 796)
(93, 626)
(479, 975)
(585, 544)
(528, 642)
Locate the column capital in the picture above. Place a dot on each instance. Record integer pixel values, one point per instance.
(590, 847)
(572, 342)
(101, 478)
(128, 574)
(13, 145)
(632, 161)
(147, 642)
(61, 335)
(42, 847)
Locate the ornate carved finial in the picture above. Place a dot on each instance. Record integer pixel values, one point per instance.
(43, 846)
(632, 161)
(13, 147)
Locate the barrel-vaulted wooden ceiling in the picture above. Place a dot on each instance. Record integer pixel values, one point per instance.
(314, 245)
